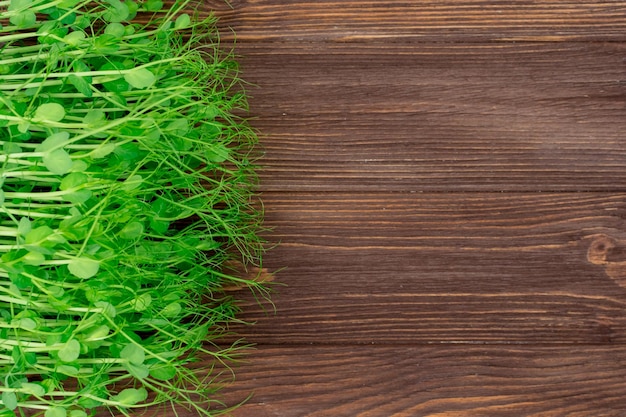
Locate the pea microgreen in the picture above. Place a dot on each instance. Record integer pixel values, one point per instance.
(126, 187)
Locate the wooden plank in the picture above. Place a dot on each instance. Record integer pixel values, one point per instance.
(422, 21)
(508, 222)
(434, 381)
(435, 105)
(482, 117)
(444, 268)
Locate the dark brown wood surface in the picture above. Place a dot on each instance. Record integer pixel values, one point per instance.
(446, 183)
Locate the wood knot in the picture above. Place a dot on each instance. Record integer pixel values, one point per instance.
(611, 254)
(600, 249)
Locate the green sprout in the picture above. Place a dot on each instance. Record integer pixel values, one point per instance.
(127, 184)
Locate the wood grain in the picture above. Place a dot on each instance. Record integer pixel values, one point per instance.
(480, 117)
(454, 268)
(423, 21)
(434, 381)
(446, 183)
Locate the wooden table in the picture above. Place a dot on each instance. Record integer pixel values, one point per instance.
(446, 182)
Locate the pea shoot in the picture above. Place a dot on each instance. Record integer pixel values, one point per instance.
(127, 184)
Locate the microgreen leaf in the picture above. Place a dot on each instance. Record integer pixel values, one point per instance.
(94, 117)
(53, 112)
(81, 85)
(140, 78)
(18, 135)
(178, 127)
(159, 226)
(78, 196)
(9, 399)
(38, 235)
(118, 85)
(50, 32)
(53, 142)
(116, 29)
(103, 150)
(217, 153)
(107, 308)
(130, 396)
(56, 412)
(172, 310)
(70, 351)
(22, 359)
(133, 353)
(163, 372)
(34, 258)
(183, 21)
(81, 22)
(83, 267)
(80, 66)
(142, 302)
(140, 371)
(58, 161)
(24, 19)
(97, 333)
(68, 4)
(56, 291)
(153, 5)
(117, 12)
(106, 44)
(74, 38)
(18, 5)
(73, 180)
(132, 230)
(33, 389)
(21, 281)
(24, 226)
(133, 8)
(132, 183)
(25, 323)
(69, 370)
(23, 126)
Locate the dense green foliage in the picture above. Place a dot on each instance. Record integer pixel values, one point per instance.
(126, 186)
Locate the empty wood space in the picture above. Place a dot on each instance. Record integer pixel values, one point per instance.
(446, 184)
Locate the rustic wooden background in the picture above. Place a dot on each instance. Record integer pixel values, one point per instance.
(447, 181)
